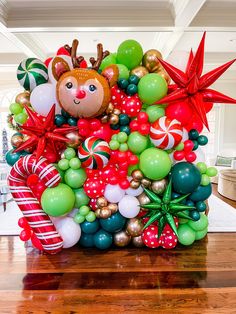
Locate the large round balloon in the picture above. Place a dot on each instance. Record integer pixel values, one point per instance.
(185, 177)
(102, 239)
(129, 206)
(129, 53)
(201, 193)
(180, 111)
(69, 230)
(32, 72)
(155, 163)
(186, 235)
(114, 223)
(43, 97)
(94, 153)
(166, 133)
(151, 88)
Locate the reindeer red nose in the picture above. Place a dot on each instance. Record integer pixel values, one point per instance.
(80, 94)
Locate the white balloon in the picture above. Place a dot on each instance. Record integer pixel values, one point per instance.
(200, 155)
(43, 97)
(73, 212)
(129, 206)
(134, 192)
(113, 193)
(69, 230)
(51, 78)
(179, 59)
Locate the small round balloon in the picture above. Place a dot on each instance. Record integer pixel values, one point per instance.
(32, 72)
(94, 153)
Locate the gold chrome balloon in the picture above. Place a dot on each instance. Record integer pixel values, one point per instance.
(137, 175)
(75, 139)
(121, 238)
(150, 60)
(159, 187)
(143, 199)
(101, 202)
(23, 98)
(17, 140)
(146, 183)
(113, 208)
(139, 71)
(134, 184)
(164, 74)
(134, 227)
(137, 241)
(105, 213)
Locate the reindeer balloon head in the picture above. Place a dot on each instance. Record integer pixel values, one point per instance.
(84, 93)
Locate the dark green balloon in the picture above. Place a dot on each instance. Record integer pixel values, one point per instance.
(65, 114)
(194, 214)
(201, 193)
(195, 142)
(102, 239)
(193, 134)
(201, 206)
(86, 240)
(115, 126)
(72, 121)
(114, 223)
(133, 79)
(124, 119)
(202, 140)
(81, 197)
(90, 227)
(131, 89)
(59, 120)
(126, 129)
(12, 157)
(123, 83)
(185, 177)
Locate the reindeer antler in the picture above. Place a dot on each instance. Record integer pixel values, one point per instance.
(100, 56)
(72, 51)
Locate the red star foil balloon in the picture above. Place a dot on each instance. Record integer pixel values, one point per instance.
(43, 133)
(191, 85)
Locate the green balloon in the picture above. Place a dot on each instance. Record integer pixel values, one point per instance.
(21, 118)
(15, 108)
(130, 53)
(155, 163)
(63, 164)
(75, 163)
(202, 167)
(186, 235)
(151, 88)
(102, 239)
(185, 177)
(211, 171)
(201, 234)
(114, 223)
(110, 59)
(81, 198)
(132, 168)
(58, 201)
(75, 178)
(69, 153)
(201, 193)
(205, 180)
(137, 142)
(200, 224)
(155, 112)
(123, 71)
(12, 157)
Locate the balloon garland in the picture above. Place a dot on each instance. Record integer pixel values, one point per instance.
(128, 168)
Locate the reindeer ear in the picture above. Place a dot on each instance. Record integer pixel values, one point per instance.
(111, 73)
(59, 66)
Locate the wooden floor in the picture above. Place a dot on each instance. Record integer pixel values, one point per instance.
(196, 279)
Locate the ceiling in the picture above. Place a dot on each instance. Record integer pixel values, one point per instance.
(39, 28)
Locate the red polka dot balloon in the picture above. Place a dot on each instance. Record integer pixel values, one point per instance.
(166, 133)
(150, 237)
(131, 105)
(117, 96)
(94, 187)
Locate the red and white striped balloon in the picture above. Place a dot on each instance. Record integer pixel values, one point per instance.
(38, 220)
(166, 133)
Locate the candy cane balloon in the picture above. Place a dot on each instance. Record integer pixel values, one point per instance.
(38, 220)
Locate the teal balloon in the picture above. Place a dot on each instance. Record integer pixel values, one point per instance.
(186, 235)
(201, 234)
(12, 157)
(194, 214)
(110, 59)
(201, 193)
(155, 163)
(151, 88)
(102, 239)
(123, 71)
(201, 206)
(129, 53)
(81, 198)
(86, 240)
(114, 223)
(90, 227)
(185, 177)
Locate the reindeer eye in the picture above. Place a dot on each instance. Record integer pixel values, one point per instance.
(92, 88)
(69, 85)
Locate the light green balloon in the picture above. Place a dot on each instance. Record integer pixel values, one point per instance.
(58, 201)
(151, 88)
(110, 59)
(15, 108)
(81, 198)
(211, 171)
(132, 168)
(20, 118)
(155, 112)
(155, 163)
(199, 225)
(186, 235)
(201, 234)
(129, 53)
(202, 167)
(205, 180)
(75, 178)
(123, 71)
(137, 142)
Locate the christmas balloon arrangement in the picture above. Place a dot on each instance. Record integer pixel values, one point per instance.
(109, 154)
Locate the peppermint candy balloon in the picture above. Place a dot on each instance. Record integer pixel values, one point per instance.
(166, 133)
(32, 72)
(94, 153)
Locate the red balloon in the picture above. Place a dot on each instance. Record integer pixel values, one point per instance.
(62, 51)
(134, 125)
(133, 160)
(190, 157)
(23, 223)
(149, 236)
(47, 61)
(116, 96)
(124, 184)
(142, 117)
(179, 155)
(104, 132)
(131, 105)
(180, 111)
(188, 145)
(83, 64)
(144, 128)
(93, 203)
(195, 123)
(94, 187)
(25, 235)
